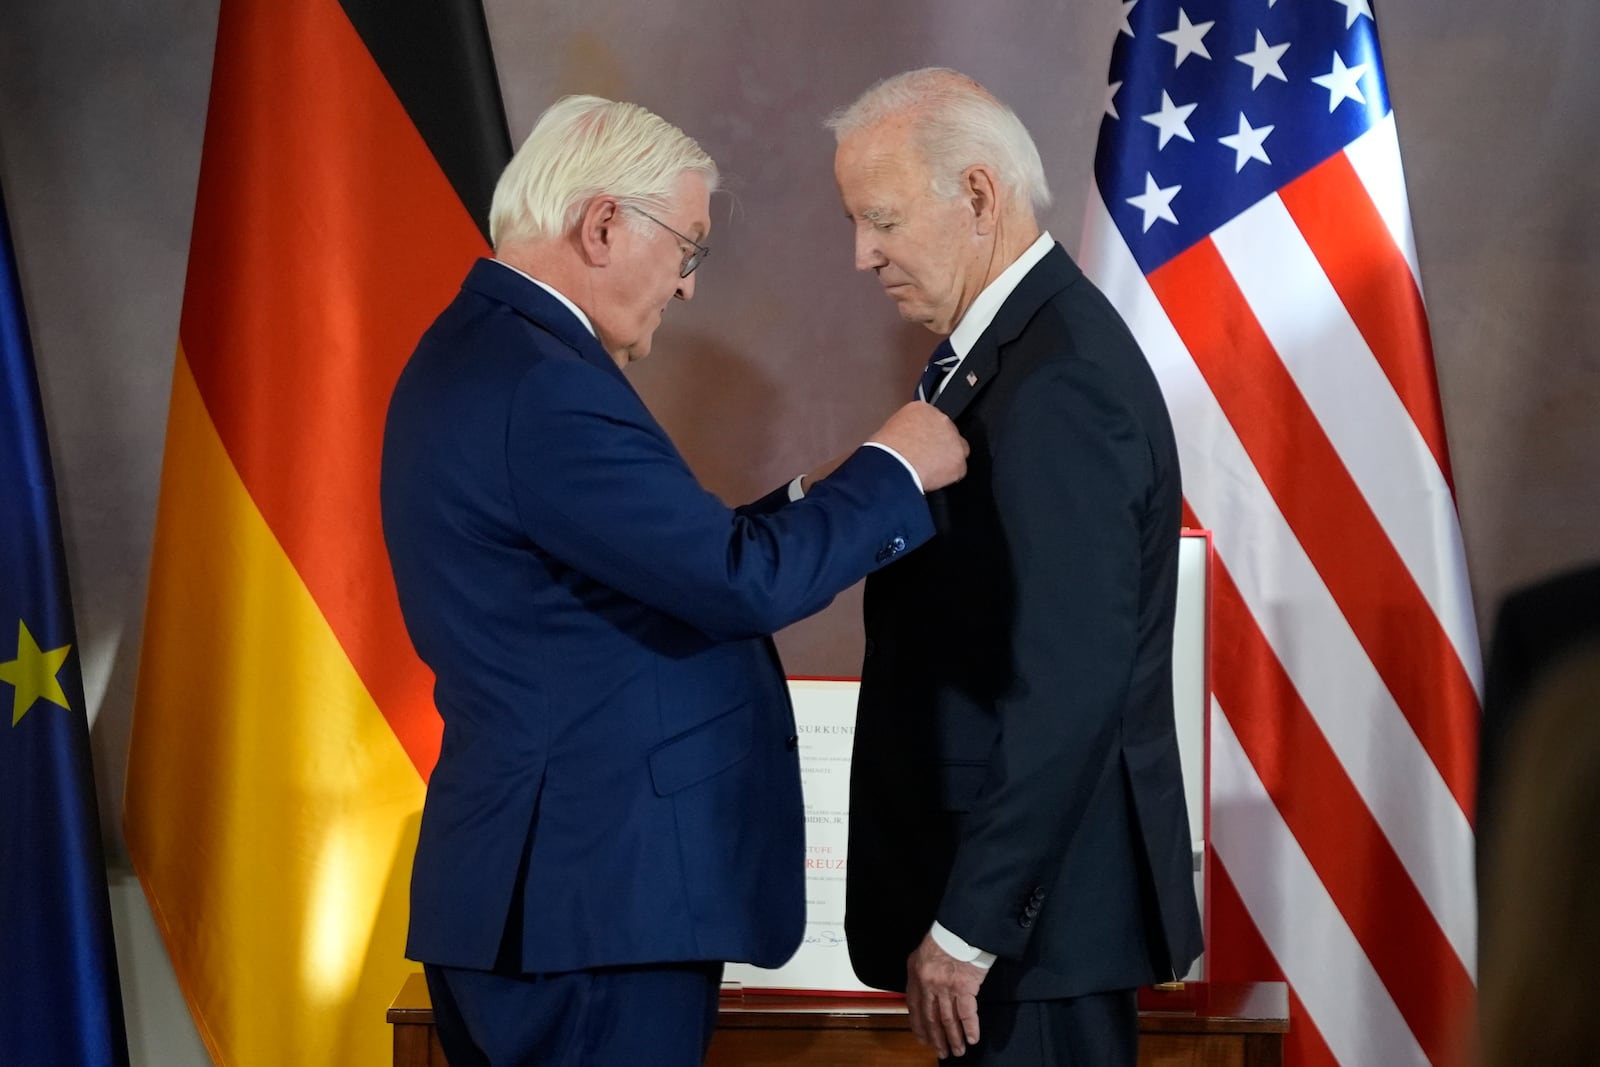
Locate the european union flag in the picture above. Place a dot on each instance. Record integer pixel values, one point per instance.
(59, 998)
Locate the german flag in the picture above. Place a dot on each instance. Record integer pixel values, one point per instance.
(284, 729)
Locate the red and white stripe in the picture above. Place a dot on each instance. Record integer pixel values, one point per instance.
(1292, 348)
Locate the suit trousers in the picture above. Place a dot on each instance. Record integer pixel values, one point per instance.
(1095, 1030)
(662, 1015)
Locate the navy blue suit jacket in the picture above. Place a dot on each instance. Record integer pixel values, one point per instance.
(1016, 772)
(618, 779)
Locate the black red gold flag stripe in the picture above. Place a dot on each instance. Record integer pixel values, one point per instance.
(284, 728)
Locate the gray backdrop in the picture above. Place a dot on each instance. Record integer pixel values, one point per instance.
(786, 356)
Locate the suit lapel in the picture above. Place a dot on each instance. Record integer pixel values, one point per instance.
(1048, 277)
(975, 372)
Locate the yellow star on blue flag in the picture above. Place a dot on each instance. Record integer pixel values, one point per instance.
(62, 1001)
(33, 674)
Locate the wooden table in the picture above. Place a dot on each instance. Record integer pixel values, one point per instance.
(1200, 1025)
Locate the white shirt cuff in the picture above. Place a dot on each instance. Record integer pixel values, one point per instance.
(912, 470)
(960, 949)
(796, 490)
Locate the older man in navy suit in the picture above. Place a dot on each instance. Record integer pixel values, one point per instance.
(616, 807)
(1019, 848)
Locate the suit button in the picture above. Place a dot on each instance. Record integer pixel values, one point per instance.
(792, 743)
(1038, 896)
(1025, 922)
(892, 549)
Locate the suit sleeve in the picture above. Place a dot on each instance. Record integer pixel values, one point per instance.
(1071, 476)
(599, 486)
(766, 505)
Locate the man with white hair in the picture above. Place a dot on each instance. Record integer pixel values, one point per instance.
(616, 805)
(1019, 847)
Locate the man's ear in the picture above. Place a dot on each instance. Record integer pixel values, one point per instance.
(597, 229)
(981, 191)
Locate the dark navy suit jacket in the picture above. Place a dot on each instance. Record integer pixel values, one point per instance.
(618, 780)
(1016, 772)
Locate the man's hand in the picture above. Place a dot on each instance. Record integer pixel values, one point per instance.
(942, 997)
(929, 441)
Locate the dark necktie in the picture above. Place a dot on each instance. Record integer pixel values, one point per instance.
(944, 357)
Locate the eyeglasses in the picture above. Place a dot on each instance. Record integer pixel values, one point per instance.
(691, 260)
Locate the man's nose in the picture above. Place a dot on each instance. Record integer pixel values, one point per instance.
(685, 290)
(868, 256)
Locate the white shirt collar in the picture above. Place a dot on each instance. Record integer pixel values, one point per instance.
(987, 305)
(587, 325)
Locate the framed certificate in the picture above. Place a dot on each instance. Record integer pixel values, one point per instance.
(825, 721)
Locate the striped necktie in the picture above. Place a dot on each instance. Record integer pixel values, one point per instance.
(944, 357)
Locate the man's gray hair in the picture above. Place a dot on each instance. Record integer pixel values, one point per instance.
(582, 147)
(957, 123)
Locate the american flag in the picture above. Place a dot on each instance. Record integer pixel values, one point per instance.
(1249, 219)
